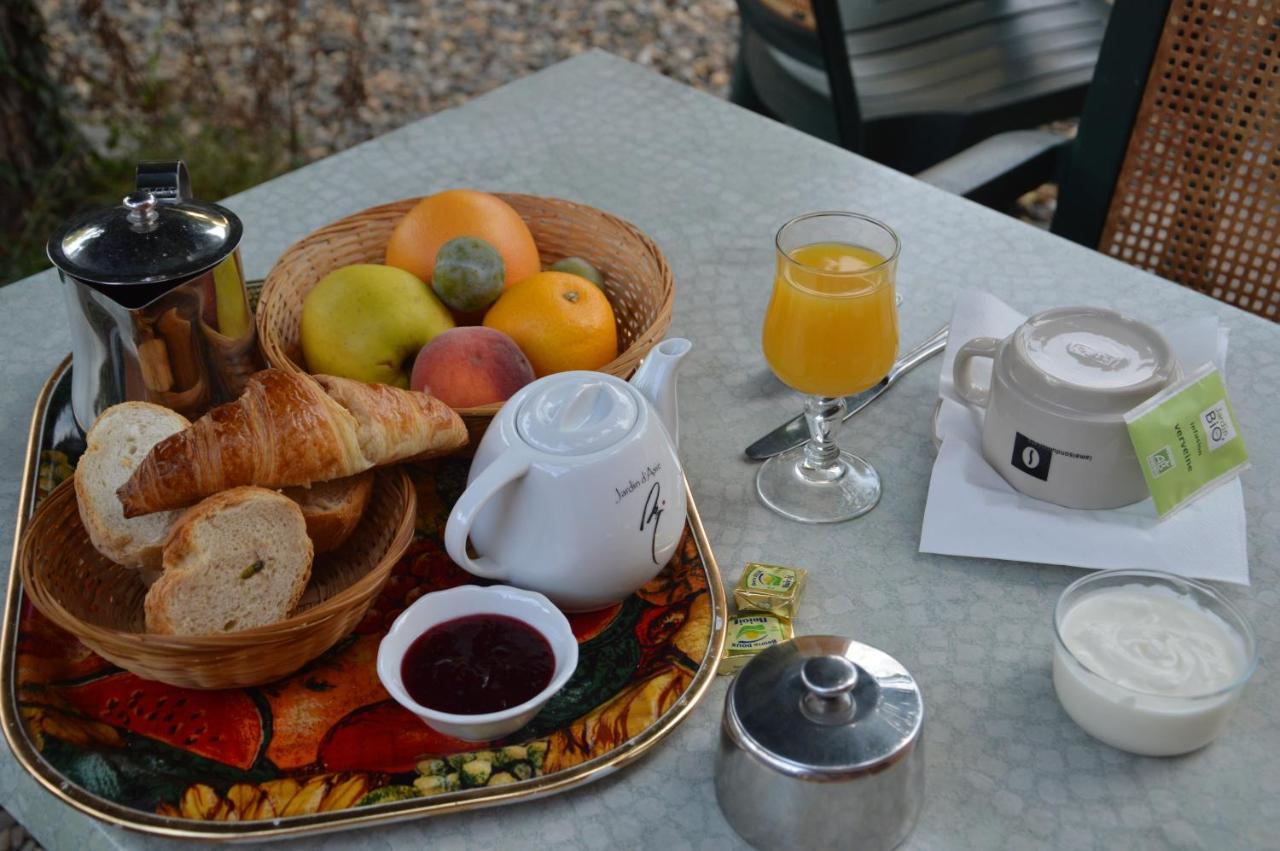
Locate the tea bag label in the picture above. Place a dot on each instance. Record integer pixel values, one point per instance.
(1218, 425)
(1160, 462)
(1187, 440)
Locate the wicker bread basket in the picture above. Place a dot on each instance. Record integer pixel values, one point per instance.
(100, 602)
(636, 276)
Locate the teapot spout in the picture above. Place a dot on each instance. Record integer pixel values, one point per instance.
(656, 379)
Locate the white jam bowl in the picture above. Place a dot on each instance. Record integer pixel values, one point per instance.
(1145, 723)
(440, 607)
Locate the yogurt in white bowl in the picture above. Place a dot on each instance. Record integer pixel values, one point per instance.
(1149, 662)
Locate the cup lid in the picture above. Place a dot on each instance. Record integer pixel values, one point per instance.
(826, 706)
(1090, 359)
(147, 239)
(574, 413)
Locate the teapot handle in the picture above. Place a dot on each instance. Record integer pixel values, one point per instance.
(502, 472)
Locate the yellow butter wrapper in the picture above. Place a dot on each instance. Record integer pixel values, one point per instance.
(769, 588)
(747, 634)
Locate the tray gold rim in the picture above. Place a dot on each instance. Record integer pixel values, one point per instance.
(338, 820)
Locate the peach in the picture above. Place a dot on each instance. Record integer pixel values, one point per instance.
(471, 366)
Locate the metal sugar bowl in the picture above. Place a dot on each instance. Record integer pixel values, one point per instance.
(156, 299)
(821, 747)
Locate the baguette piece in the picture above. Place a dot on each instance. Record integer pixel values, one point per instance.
(333, 509)
(119, 439)
(286, 431)
(238, 560)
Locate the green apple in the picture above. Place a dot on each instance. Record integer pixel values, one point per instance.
(368, 322)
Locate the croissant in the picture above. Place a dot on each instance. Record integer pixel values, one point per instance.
(285, 431)
(391, 423)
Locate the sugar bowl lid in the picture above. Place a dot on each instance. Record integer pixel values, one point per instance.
(822, 706)
(156, 234)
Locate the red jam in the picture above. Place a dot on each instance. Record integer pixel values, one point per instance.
(477, 664)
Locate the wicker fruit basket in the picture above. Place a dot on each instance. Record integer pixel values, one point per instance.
(637, 278)
(101, 603)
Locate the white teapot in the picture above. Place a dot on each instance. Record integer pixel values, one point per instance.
(576, 490)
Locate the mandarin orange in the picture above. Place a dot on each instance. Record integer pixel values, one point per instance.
(438, 218)
(560, 321)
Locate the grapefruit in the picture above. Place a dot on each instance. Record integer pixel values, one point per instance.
(439, 218)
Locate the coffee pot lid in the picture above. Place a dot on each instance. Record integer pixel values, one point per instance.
(825, 706)
(575, 413)
(156, 234)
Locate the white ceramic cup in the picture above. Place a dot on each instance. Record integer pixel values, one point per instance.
(442, 606)
(1060, 385)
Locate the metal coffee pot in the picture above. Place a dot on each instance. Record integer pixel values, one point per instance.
(156, 299)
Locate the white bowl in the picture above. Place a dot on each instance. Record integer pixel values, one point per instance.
(1141, 722)
(442, 606)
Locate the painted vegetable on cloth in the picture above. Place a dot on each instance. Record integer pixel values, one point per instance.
(224, 726)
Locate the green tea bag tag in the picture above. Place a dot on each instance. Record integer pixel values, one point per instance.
(1187, 440)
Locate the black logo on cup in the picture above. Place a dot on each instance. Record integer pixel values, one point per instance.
(1030, 457)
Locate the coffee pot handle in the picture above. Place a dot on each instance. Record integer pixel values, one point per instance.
(167, 180)
(978, 347)
(502, 472)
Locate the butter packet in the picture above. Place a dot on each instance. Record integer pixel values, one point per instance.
(1187, 440)
(749, 633)
(769, 588)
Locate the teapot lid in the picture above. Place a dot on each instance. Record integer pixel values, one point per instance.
(575, 413)
(826, 707)
(156, 234)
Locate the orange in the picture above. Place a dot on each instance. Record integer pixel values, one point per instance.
(446, 215)
(560, 321)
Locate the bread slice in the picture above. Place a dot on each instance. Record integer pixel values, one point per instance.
(333, 509)
(117, 442)
(239, 559)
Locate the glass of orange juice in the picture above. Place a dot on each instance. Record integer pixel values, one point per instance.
(831, 330)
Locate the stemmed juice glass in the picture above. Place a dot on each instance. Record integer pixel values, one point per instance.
(831, 330)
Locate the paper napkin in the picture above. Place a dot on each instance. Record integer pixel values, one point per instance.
(972, 511)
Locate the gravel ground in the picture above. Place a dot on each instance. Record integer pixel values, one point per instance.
(13, 836)
(336, 72)
(247, 89)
